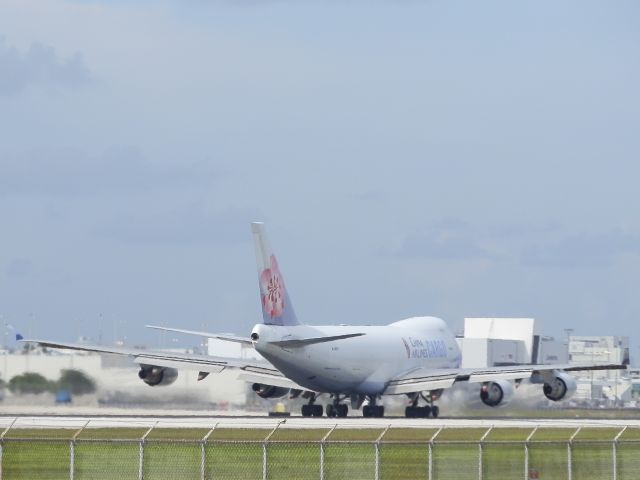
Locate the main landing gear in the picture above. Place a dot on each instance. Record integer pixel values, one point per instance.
(337, 409)
(429, 410)
(311, 409)
(373, 410)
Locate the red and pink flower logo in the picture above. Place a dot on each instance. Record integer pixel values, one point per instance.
(272, 289)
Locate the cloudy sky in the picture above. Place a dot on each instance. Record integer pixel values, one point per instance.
(447, 158)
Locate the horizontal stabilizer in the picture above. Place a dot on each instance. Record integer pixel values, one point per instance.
(303, 342)
(219, 336)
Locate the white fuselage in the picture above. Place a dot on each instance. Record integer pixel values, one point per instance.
(363, 364)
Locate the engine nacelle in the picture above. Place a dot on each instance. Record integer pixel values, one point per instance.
(154, 376)
(561, 387)
(496, 393)
(269, 391)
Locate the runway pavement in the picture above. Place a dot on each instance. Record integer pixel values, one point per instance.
(99, 421)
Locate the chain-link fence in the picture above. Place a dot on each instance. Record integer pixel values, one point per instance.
(320, 453)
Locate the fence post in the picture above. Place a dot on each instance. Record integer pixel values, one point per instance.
(526, 453)
(480, 451)
(72, 454)
(72, 451)
(2, 443)
(430, 465)
(615, 453)
(265, 465)
(570, 455)
(322, 442)
(377, 450)
(203, 452)
(141, 454)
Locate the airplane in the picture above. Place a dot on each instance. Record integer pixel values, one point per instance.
(417, 357)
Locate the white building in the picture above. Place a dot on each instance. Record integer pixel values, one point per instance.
(601, 350)
(507, 341)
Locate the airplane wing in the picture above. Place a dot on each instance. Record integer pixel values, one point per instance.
(249, 370)
(219, 336)
(422, 379)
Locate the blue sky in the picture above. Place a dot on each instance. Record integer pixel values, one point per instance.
(447, 158)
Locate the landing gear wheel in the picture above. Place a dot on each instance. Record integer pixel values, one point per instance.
(307, 410)
(429, 410)
(418, 412)
(316, 410)
(373, 411)
(331, 411)
(342, 410)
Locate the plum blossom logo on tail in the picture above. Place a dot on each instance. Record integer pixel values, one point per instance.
(272, 289)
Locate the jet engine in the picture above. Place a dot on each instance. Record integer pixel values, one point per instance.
(561, 386)
(496, 393)
(269, 391)
(153, 376)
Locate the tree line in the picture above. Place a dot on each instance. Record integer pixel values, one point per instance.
(74, 381)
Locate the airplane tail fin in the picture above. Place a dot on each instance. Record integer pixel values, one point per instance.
(276, 306)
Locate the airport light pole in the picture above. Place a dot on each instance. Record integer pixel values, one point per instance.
(568, 332)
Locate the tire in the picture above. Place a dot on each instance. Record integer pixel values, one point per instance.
(425, 411)
(331, 412)
(435, 411)
(410, 412)
(379, 411)
(306, 410)
(366, 411)
(316, 410)
(343, 410)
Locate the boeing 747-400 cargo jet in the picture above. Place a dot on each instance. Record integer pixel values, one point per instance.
(417, 357)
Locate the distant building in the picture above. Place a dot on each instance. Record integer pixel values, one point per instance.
(507, 341)
(603, 385)
(511, 341)
(599, 350)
